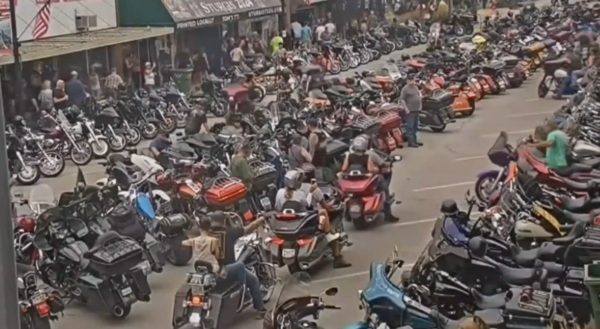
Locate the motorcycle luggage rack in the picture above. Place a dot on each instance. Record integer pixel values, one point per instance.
(365, 122)
(260, 168)
(536, 300)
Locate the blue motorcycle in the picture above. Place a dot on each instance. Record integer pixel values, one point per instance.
(501, 154)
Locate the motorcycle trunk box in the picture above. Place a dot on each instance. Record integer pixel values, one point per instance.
(336, 148)
(528, 308)
(439, 100)
(265, 174)
(116, 258)
(225, 191)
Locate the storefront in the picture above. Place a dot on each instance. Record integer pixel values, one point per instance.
(201, 26)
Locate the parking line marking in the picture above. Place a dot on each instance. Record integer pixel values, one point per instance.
(532, 99)
(439, 187)
(471, 158)
(354, 275)
(522, 115)
(530, 130)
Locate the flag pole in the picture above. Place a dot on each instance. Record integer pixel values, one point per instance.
(18, 70)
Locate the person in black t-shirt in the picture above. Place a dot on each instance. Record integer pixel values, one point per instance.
(61, 99)
(233, 269)
(195, 121)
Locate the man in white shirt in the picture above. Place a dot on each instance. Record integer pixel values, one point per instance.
(330, 27)
(319, 29)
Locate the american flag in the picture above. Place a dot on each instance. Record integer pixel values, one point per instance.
(42, 22)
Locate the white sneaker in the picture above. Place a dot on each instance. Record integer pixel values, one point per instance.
(330, 237)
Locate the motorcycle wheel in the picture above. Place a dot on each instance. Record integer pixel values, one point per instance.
(414, 39)
(85, 156)
(219, 108)
(482, 188)
(543, 88)
(354, 62)
(117, 143)
(178, 256)
(120, 311)
(134, 136)
(294, 268)
(31, 320)
(423, 39)
(365, 57)
(438, 129)
(52, 170)
(168, 125)
(149, 131)
(260, 91)
(459, 31)
(100, 148)
(399, 44)
(387, 48)
(28, 175)
(335, 68)
(469, 29)
(344, 66)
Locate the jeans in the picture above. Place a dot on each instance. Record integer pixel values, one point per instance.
(576, 75)
(383, 184)
(412, 125)
(238, 272)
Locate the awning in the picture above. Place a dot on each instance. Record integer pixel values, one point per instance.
(189, 14)
(68, 44)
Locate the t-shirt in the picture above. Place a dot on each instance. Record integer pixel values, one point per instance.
(237, 54)
(297, 30)
(297, 195)
(412, 97)
(306, 33)
(202, 247)
(320, 29)
(59, 93)
(159, 145)
(230, 238)
(241, 169)
(330, 27)
(275, 42)
(556, 155)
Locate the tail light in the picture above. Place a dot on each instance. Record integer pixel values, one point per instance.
(304, 242)
(196, 300)
(43, 309)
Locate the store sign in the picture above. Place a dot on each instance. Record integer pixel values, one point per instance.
(265, 12)
(199, 22)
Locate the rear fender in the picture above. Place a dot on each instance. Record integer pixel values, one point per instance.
(489, 173)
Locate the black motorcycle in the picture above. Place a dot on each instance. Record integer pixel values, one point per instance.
(437, 111)
(110, 276)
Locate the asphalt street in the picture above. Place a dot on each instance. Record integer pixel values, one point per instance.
(444, 168)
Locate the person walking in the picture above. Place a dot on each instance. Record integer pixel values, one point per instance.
(113, 83)
(410, 98)
(149, 76)
(94, 83)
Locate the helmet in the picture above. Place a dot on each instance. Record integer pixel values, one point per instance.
(405, 57)
(510, 14)
(293, 179)
(19, 121)
(286, 72)
(360, 144)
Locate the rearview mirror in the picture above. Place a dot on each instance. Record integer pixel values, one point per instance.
(331, 291)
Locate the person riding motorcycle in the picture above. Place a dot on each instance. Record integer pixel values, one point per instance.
(195, 122)
(366, 160)
(292, 197)
(284, 89)
(216, 243)
(159, 144)
(298, 156)
(317, 144)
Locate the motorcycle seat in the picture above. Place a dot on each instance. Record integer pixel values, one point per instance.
(524, 257)
(581, 218)
(518, 276)
(203, 140)
(491, 317)
(461, 79)
(484, 302)
(549, 43)
(155, 97)
(333, 92)
(310, 69)
(577, 186)
(343, 90)
(101, 241)
(578, 204)
(203, 266)
(123, 179)
(572, 169)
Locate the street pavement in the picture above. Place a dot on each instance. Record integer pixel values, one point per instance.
(444, 168)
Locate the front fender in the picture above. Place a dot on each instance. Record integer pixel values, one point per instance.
(358, 325)
(489, 173)
(161, 194)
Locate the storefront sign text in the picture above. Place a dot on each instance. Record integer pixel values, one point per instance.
(265, 12)
(223, 7)
(195, 23)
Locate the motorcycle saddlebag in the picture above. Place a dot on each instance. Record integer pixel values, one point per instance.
(117, 257)
(125, 221)
(336, 148)
(225, 191)
(174, 224)
(97, 293)
(438, 101)
(265, 174)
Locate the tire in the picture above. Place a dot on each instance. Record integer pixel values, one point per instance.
(360, 224)
(354, 62)
(386, 49)
(59, 165)
(480, 186)
(365, 57)
(543, 88)
(85, 146)
(178, 256)
(120, 311)
(100, 148)
(469, 29)
(423, 39)
(219, 108)
(149, 131)
(415, 40)
(34, 321)
(168, 125)
(260, 91)
(400, 44)
(459, 31)
(438, 129)
(344, 66)
(335, 68)
(30, 177)
(117, 142)
(294, 268)
(134, 136)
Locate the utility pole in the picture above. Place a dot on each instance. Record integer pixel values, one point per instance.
(9, 302)
(18, 70)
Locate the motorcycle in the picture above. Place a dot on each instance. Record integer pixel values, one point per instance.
(26, 169)
(62, 138)
(38, 306)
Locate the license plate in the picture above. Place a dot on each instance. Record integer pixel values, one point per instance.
(126, 292)
(355, 208)
(38, 299)
(288, 253)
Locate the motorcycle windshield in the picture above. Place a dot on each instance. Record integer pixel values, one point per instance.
(41, 198)
(392, 71)
(454, 232)
(295, 286)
